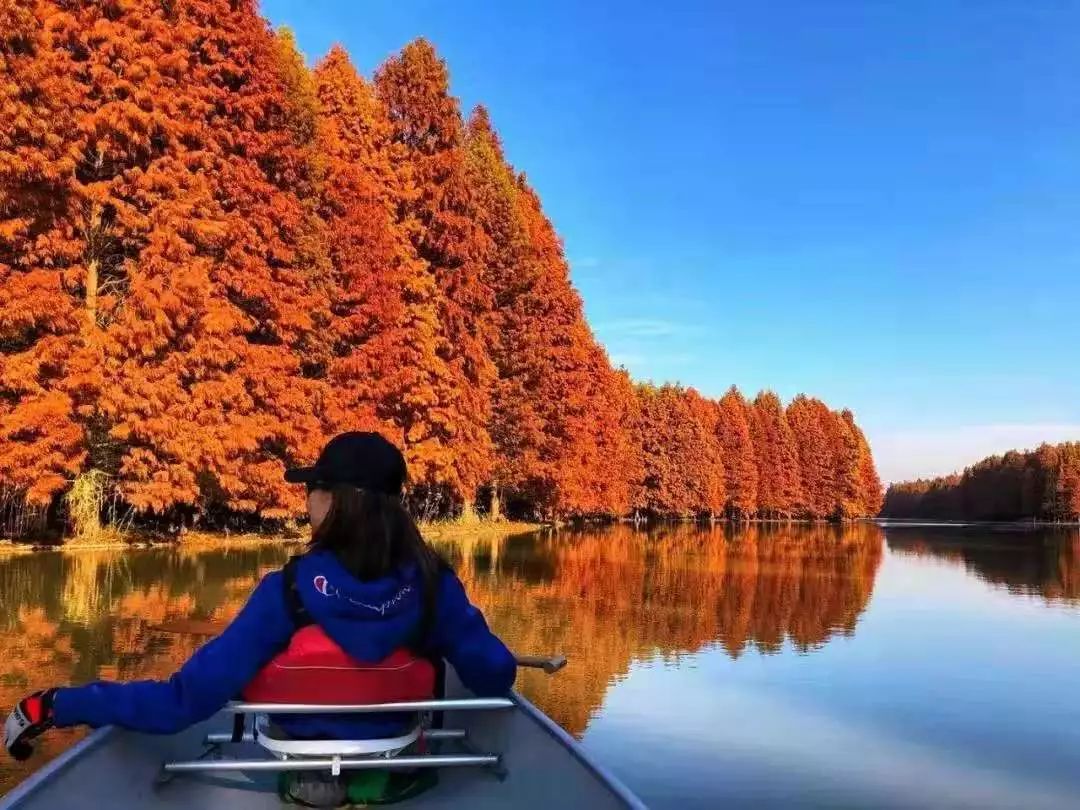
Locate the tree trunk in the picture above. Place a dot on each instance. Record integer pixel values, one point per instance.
(91, 293)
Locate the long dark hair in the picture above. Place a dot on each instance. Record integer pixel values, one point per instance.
(372, 534)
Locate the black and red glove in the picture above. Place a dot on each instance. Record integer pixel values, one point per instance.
(32, 717)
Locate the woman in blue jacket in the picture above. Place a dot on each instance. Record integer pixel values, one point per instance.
(368, 580)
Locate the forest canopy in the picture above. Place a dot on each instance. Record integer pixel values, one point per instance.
(1040, 484)
(213, 257)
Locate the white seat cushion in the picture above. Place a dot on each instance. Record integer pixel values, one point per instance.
(387, 746)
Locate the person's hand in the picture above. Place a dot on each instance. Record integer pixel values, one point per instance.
(28, 720)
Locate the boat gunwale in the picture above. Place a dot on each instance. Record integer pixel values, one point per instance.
(561, 736)
(28, 786)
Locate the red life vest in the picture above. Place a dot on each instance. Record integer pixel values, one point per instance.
(314, 669)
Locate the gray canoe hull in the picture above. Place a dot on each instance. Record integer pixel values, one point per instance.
(114, 769)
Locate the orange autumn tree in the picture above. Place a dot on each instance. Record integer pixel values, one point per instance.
(846, 497)
(583, 400)
(302, 117)
(856, 488)
(384, 299)
(607, 462)
(205, 176)
(704, 455)
(554, 419)
(810, 420)
(523, 471)
(737, 446)
(871, 496)
(620, 462)
(53, 241)
(683, 474)
(779, 487)
(426, 121)
(572, 388)
(655, 490)
(611, 465)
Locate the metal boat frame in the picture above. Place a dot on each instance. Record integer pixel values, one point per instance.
(490, 752)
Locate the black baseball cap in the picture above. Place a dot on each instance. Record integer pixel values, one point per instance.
(364, 460)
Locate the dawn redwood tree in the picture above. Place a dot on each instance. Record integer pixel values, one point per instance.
(809, 420)
(555, 420)
(614, 469)
(653, 491)
(189, 228)
(846, 497)
(384, 321)
(302, 111)
(779, 487)
(619, 463)
(598, 476)
(301, 117)
(870, 494)
(705, 454)
(683, 474)
(598, 454)
(238, 398)
(426, 121)
(905, 498)
(737, 446)
(519, 426)
(49, 335)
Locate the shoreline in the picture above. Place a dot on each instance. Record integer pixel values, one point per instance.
(475, 529)
(441, 531)
(898, 523)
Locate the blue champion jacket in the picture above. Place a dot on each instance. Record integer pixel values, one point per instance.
(367, 619)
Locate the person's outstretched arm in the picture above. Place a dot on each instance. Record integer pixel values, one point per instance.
(461, 635)
(215, 674)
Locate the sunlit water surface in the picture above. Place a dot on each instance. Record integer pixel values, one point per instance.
(784, 667)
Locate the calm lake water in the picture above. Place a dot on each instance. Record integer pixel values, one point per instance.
(784, 667)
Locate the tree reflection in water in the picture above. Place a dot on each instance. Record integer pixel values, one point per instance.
(1044, 563)
(606, 599)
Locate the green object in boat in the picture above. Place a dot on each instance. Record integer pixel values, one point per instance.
(388, 787)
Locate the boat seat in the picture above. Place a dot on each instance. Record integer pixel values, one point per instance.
(337, 755)
(277, 742)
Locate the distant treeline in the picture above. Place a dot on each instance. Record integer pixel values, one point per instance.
(1042, 484)
(213, 257)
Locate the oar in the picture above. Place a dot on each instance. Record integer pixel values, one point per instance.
(190, 627)
(550, 664)
(194, 627)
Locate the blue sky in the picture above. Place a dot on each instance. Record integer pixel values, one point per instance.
(872, 202)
